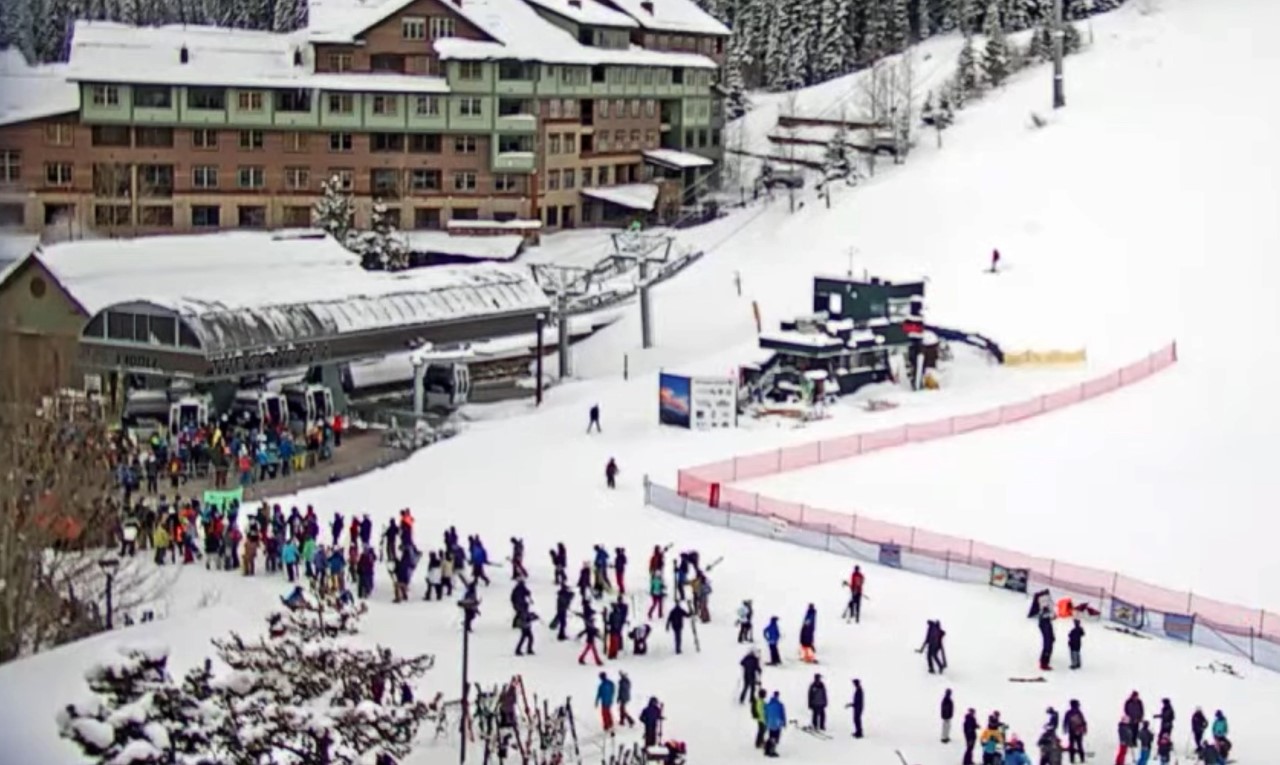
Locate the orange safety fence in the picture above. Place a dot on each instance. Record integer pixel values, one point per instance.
(710, 484)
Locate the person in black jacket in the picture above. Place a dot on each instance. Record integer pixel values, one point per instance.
(970, 728)
(932, 647)
(856, 705)
(1075, 726)
(675, 624)
(948, 711)
(1199, 724)
(1166, 716)
(1047, 638)
(818, 703)
(564, 599)
(750, 675)
(1145, 739)
(1136, 712)
(1074, 639)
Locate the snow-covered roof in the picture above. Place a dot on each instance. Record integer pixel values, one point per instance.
(523, 34)
(31, 92)
(673, 158)
(109, 52)
(637, 196)
(509, 225)
(342, 21)
(807, 339)
(504, 247)
(587, 12)
(682, 16)
(16, 245)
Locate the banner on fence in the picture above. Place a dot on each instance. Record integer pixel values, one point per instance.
(778, 526)
(1179, 626)
(223, 499)
(1014, 579)
(891, 555)
(1128, 614)
(673, 400)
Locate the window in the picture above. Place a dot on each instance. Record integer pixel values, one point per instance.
(516, 70)
(553, 143)
(154, 137)
(339, 62)
(470, 107)
(600, 73)
(297, 178)
(715, 137)
(504, 217)
(345, 177)
(570, 143)
(206, 98)
(553, 180)
(703, 142)
(553, 109)
(340, 141)
(574, 75)
(251, 216)
(677, 76)
(203, 138)
(619, 109)
(464, 213)
(385, 106)
(293, 101)
(111, 215)
(553, 216)
(635, 139)
(619, 140)
(570, 179)
(295, 216)
(651, 139)
(386, 142)
(633, 75)
(648, 76)
(58, 173)
(424, 143)
(464, 181)
(464, 144)
(427, 106)
(295, 143)
(155, 215)
(387, 62)
(59, 134)
(602, 141)
(111, 180)
(105, 95)
(422, 179)
(250, 177)
(341, 103)
(426, 217)
(570, 108)
(506, 183)
(440, 26)
(413, 28)
(204, 177)
(10, 166)
(470, 70)
(650, 108)
(385, 182)
(512, 143)
(249, 100)
(510, 107)
(152, 97)
(690, 138)
(205, 216)
(251, 140)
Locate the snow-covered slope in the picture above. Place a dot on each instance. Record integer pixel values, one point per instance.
(1120, 230)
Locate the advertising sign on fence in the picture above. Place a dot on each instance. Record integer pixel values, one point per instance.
(1014, 579)
(1127, 613)
(1179, 626)
(223, 499)
(673, 400)
(891, 555)
(714, 402)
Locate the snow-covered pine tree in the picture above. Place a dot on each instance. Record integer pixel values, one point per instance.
(968, 75)
(334, 212)
(800, 35)
(735, 103)
(835, 160)
(19, 27)
(1041, 46)
(1014, 15)
(875, 31)
(1072, 40)
(897, 26)
(995, 59)
(833, 40)
(945, 14)
(776, 28)
(289, 15)
(922, 20)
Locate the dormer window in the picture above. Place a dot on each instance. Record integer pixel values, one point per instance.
(413, 28)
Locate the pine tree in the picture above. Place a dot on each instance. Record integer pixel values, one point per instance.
(833, 53)
(381, 247)
(19, 26)
(968, 77)
(835, 160)
(875, 31)
(946, 15)
(289, 15)
(922, 25)
(897, 27)
(334, 212)
(995, 60)
(1072, 40)
(1041, 47)
(1014, 16)
(735, 103)
(800, 33)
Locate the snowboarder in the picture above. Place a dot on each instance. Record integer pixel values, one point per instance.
(1075, 726)
(594, 421)
(744, 622)
(524, 622)
(856, 704)
(1074, 640)
(1165, 716)
(771, 637)
(807, 629)
(818, 703)
(750, 675)
(970, 729)
(651, 719)
(564, 599)
(624, 698)
(932, 647)
(948, 710)
(775, 719)
(675, 624)
(854, 609)
(611, 473)
(605, 693)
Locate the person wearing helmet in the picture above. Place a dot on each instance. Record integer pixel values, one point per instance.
(1015, 754)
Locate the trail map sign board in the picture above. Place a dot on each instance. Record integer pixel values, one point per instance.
(698, 403)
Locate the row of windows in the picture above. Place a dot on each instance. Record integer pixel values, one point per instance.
(246, 216)
(284, 101)
(605, 175)
(255, 140)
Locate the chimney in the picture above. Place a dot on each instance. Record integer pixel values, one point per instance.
(648, 6)
(184, 55)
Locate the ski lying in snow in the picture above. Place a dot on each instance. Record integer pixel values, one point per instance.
(900, 756)
(1028, 680)
(1127, 631)
(1221, 667)
(812, 731)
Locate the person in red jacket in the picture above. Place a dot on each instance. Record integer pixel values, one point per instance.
(854, 609)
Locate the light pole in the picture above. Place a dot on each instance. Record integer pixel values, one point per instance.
(541, 323)
(468, 604)
(109, 567)
(1059, 94)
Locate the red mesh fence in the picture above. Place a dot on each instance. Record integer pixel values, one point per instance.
(708, 484)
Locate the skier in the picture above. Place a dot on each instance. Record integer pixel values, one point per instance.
(651, 719)
(624, 698)
(744, 622)
(856, 704)
(435, 585)
(995, 261)
(771, 637)
(854, 609)
(560, 560)
(564, 599)
(524, 622)
(948, 711)
(594, 421)
(366, 530)
(807, 629)
(932, 645)
(657, 592)
(592, 634)
(818, 703)
(757, 713)
(517, 559)
(970, 729)
(600, 572)
(1047, 639)
(389, 539)
(611, 473)
(1219, 732)
(1135, 711)
(657, 562)
(605, 692)
(336, 528)
(584, 581)
(520, 597)
(1145, 739)
(1074, 639)
(1165, 716)
(404, 574)
(640, 639)
(750, 675)
(1199, 724)
(1075, 726)
(620, 569)
(479, 559)
(617, 622)
(775, 719)
(675, 624)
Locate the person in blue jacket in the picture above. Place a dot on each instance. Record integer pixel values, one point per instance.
(771, 637)
(289, 556)
(604, 699)
(775, 719)
(1015, 754)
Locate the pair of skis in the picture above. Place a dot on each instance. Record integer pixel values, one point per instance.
(812, 731)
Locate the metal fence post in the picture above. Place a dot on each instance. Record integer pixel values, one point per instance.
(970, 558)
(1052, 567)
(946, 570)
(912, 544)
(853, 529)
(1115, 583)
(802, 514)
